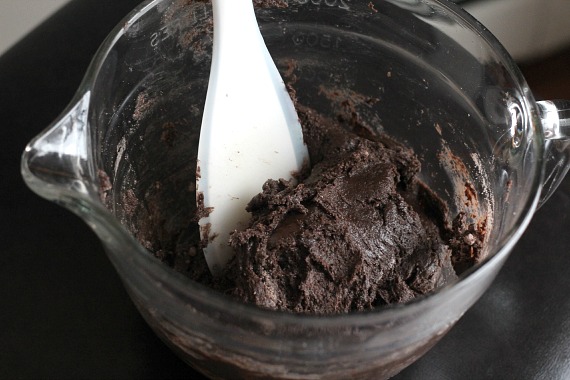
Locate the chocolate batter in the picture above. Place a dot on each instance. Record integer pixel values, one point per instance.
(353, 235)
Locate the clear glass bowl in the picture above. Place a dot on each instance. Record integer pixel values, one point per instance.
(442, 85)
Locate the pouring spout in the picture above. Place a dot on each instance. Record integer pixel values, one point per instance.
(555, 119)
(56, 164)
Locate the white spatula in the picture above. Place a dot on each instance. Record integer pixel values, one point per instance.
(250, 129)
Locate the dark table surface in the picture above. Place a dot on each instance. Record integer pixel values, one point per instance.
(65, 314)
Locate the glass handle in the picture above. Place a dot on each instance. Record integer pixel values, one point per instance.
(555, 118)
(56, 164)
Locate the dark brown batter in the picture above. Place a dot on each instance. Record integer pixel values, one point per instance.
(352, 236)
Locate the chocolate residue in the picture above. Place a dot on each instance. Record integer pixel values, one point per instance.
(142, 107)
(169, 134)
(470, 193)
(105, 185)
(372, 7)
(130, 203)
(466, 241)
(270, 3)
(348, 105)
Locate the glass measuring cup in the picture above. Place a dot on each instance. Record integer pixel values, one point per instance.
(445, 87)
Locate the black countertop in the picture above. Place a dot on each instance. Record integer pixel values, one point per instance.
(64, 311)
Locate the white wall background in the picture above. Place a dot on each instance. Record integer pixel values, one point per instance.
(19, 17)
(528, 28)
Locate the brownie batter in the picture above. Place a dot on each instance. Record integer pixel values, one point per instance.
(353, 235)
